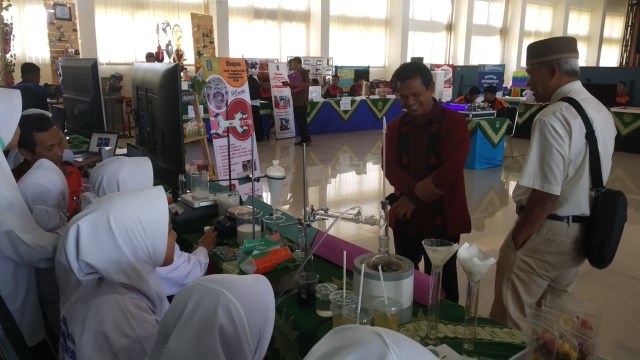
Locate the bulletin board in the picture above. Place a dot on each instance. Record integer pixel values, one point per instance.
(62, 26)
(203, 39)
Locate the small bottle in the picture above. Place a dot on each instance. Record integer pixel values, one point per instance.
(182, 184)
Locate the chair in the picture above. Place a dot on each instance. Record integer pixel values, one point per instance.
(512, 115)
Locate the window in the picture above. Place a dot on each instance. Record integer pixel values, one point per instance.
(358, 32)
(31, 41)
(578, 27)
(537, 26)
(268, 28)
(486, 41)
(126, 30)
(428, 30)
(611, 40)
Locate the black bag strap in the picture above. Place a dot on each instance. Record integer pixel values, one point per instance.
(590, 135)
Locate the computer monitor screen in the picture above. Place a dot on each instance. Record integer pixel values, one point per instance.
(156, 97)
(606, 93)
(83, 108)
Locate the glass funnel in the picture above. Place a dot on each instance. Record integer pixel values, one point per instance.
(439, 251)
(475, 264)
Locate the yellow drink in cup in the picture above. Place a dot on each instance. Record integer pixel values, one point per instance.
(338, 301)
(386, 314)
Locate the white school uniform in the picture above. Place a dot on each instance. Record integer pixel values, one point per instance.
(23, 244)
(127, 174)
(218, 317)
(355, 342)
(45, 191)
(113, 248)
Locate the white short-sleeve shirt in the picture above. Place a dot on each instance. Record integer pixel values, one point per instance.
(558, 159)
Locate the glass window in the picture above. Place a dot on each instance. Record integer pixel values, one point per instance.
(537, 26)
(578, 27)
(611, 40)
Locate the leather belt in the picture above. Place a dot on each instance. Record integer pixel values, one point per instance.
(565, 219)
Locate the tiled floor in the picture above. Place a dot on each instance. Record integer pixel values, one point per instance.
(343, 170)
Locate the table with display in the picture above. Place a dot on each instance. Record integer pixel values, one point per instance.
(298, 328)
(487, 142)
(326, 116)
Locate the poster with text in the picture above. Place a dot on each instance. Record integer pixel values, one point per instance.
(282, 101)
(491, 75)
(447, 92)
(231, 122)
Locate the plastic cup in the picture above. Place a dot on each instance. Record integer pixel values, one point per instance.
(387, 314)
(350, 315)
(323, 304)
(307, 283)
(337, 303)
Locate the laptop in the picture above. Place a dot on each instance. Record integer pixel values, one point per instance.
(99, 140)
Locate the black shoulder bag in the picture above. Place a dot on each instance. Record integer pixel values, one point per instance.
(609, 208)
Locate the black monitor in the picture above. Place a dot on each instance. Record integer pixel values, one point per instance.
(156, 102)
(82, 96)
(606, 93)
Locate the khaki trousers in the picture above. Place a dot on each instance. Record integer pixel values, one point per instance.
(547, 264)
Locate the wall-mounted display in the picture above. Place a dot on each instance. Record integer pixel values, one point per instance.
(62, 12)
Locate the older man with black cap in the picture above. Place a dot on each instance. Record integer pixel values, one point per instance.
(541, 255)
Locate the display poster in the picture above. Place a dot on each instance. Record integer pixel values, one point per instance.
(447, 92)
(519, 79)
(491, 75)
(349, 73)
(282, 101)
(231, 123)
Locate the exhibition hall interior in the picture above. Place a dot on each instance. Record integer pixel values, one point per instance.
(326, 148)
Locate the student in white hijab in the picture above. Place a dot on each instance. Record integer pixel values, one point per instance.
(355, 342)
(218, 317)
(45, 191)
(23, 244)
(126, 174)
(113, 248)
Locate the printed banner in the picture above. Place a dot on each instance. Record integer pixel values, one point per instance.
(282, 101)
(447, 92)
(491, 75)
(231, 123)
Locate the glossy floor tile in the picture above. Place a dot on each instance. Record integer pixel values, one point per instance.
(343, 170)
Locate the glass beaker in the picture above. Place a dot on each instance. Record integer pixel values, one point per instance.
(270, 227)
(199, 184)
(248, 225)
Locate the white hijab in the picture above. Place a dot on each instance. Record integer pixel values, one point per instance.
(117, 174)
(21, 239)
(223, 316)
(46, 193)
(122, 238)
(355, 342)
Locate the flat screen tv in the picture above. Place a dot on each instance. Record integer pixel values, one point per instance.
(82, 95)
(156, 102)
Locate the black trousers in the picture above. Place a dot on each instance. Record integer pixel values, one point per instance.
(300, 117)
(257, 122)
(411, 248)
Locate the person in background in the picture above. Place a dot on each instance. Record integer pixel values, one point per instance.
(23, 244)
(470, 97)
(334, 90)
(356, 88)
(300, 95)
(44, 190)
(497, 104)
(542, 253)
(226, 317)
(315, 82)
(254, 94)
(113, 248)
(355, 342)
(34, 96)
(622, 99)
(150, 57)
(426, 148)
(41, 139)
(265, 90)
